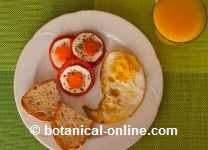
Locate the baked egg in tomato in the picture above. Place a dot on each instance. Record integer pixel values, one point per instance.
(76, 77)
(60, 51)
(88, 47)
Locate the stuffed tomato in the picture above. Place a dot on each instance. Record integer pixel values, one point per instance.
(76, 77)
(60, 51)
(88, 47)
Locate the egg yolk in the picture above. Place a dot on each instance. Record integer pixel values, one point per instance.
(75, 79)
(91, 46)
(124, 67)
(63, 52)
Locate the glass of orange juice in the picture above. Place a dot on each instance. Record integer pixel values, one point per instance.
(179, 21)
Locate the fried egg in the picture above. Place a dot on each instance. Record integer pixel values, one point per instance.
(123, 86)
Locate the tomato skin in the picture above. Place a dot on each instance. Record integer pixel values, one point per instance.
(104, 49)
(73, 62)
(71, 37)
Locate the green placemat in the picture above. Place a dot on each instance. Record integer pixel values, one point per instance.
(185, 102)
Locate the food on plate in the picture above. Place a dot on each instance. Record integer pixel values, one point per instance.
(60, 51)
(73, 57)
(41, 100)
(76, 77)
(89, 47)
(67, 118)
(123, 86)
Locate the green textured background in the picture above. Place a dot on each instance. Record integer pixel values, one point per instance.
(185, 102)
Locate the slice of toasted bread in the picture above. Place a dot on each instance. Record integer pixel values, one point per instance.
(67, 118)
(41, 100)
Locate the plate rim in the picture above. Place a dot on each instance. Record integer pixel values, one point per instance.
(72, 13)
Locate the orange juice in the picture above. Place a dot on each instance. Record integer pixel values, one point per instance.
(179, 20)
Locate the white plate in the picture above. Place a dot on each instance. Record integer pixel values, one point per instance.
(33, 65)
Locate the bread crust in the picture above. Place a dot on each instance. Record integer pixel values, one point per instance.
(29, 109)
(58, 139)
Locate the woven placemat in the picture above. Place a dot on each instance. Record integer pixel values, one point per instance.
(185, 102)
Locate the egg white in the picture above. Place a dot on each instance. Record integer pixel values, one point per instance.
(130, 93)
(57, 44)
(121, 98)
(79, 52)
(86, 76)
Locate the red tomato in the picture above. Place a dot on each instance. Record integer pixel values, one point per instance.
(62, 53)
(90, 47)
(76, 80)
